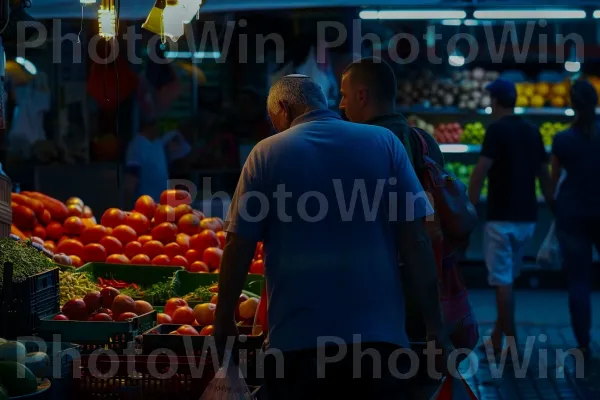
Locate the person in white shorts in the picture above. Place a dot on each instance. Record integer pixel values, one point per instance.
(512, 158)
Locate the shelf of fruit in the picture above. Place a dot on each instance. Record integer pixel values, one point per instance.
(463, 172)
(454, 138)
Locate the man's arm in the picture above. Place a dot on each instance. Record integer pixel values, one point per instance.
(420, 271)
(478, 178)
(237, 256)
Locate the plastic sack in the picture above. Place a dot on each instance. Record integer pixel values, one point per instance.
(549, 256)
(454, 389)
(228, 384)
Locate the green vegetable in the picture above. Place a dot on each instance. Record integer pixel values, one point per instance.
(202, 294)
(162, 291)
(17, 379)
(27, 261)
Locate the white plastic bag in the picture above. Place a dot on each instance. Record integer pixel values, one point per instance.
(228, 384)
(549, 256)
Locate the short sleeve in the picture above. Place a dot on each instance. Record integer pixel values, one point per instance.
(249, 207)
(413, 202)
(490, 146)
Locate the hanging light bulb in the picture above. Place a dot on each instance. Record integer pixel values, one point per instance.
(107, 20)
(173, 19)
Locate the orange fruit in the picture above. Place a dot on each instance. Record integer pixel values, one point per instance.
(212, 257)
(49, 245)
(204, 240)
(39, 231)
(143, 307)
(153, 248)
(193, 255)
(141, 259)
(207, 330)
(162, 318)
(113, 217)
(198, 266)
(173, 249)
(204, 313)
(214, 224)
(183, 241)
(173, 304)
(117, 259)
(75, 210)
(175, 197)
(76, 261)
(183, 315)
(93, 234)
(222, 236)
(87, 212)
(132, 249)
(162, 259)
(187, 330)
(54, 230)
(74, 200)
(182, 210)
(125, 234)
(139, 222)
(165, 232)
(164, 213)
(122, 304)
(73, 226)
(144, 238)
(190, 224)
(179, 261)
(112, 245)
(145, 205)
(94, 252)
(46, 217)
(71, 246)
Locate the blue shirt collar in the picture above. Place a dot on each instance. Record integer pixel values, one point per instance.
(314, 116)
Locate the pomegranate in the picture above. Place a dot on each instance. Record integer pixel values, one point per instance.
(93, 301)
(76, 310)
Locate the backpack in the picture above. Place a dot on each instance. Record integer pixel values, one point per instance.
(455, 218)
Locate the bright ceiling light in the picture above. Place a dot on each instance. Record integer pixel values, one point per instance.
(87, 2)
(572, 66)
(107, 21)
(413, 14)
(456, 60)
(596, 14)
(451, 22)
(197, 54)
(569, 112)
(471, 22)
(529, 14)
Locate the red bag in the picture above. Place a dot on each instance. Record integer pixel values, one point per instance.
(457, 216)
(454, 389)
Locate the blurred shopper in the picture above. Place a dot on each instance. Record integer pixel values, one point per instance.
(312, 243)
(146, 166)
(369, 92)
(578, 204)
(512, 157)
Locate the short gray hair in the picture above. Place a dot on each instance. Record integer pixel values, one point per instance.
(296, 90)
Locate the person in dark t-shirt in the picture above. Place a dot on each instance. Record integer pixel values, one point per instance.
(512, 157)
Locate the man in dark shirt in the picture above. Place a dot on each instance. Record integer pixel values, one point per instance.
(369, 93)
(512, 157)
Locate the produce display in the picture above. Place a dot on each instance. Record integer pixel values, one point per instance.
(464, 89)
(549, 129)
(420, 123)
(20, 372)
(542, 94)
(448, 133)
(27, 257)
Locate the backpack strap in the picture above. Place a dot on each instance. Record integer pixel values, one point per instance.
(424, 146)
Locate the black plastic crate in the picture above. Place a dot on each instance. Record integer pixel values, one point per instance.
(36, 297)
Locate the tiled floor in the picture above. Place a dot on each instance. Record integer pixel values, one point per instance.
(545, 370)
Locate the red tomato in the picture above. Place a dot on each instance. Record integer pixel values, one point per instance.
(204, 240)
(179, 261)
(165, 232)
(161, 260)
(212, 257)
(112, 245)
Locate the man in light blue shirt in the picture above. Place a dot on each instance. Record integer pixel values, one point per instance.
(334, 203)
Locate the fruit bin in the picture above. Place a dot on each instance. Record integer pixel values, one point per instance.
(143, 275)
(36, 297)
(141, 377)
(111, 335)
(186, 282)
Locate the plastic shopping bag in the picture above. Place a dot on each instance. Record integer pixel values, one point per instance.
(549, 256)
(228, 384)
(454, 389)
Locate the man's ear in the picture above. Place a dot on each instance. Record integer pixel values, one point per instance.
(363, 96)
(284, 105)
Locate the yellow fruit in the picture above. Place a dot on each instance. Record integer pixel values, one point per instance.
(520, 88)
(558, 101)
(542, 88)
(528, 90)
(560, 89)
(522, 101)
(537, 101)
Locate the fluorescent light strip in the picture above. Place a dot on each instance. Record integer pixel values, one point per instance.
(451, 22)
(454, 148)
(597, 14)
(413, 14)
(529, 14)
(471, 22)
(198, 54)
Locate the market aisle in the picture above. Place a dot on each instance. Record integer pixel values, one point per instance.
(542, 317)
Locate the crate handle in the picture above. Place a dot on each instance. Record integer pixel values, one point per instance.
(6, 295)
